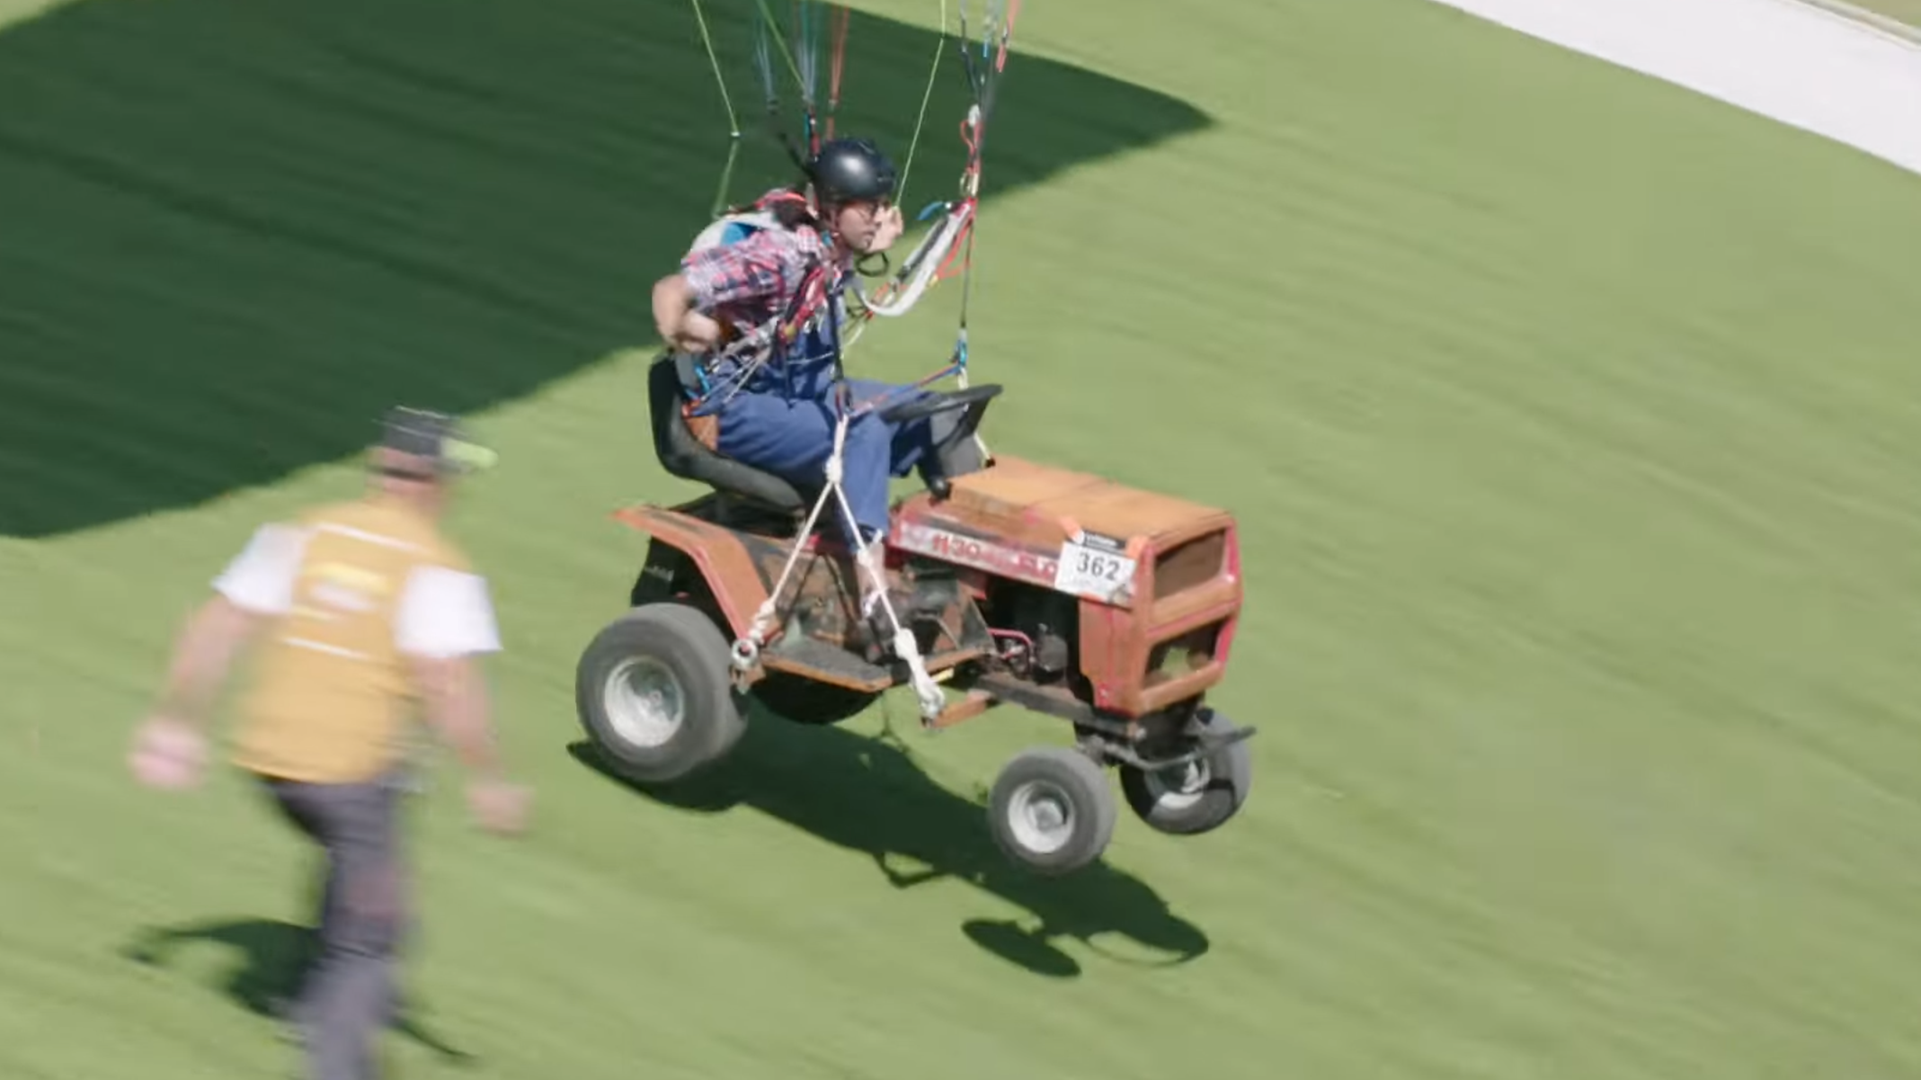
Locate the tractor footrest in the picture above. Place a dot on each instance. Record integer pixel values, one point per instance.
(975, 703)
(811, 659)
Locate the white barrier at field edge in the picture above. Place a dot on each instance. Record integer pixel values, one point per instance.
(1802, 64)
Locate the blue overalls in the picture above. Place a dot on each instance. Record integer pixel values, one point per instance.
(782, 421)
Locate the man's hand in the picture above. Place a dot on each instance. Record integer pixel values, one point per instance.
(457, 706)
(498, 806)
(887, 229)
(168, 754)
(675, 319)
(169, 748)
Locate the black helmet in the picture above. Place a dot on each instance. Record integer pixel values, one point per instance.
(851, 170)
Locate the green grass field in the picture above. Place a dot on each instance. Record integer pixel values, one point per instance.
(1570, 419)
(1907, 11)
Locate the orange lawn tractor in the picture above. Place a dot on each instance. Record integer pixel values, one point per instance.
(1109, 607)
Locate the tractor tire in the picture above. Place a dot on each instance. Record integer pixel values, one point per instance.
(654, 694)
(805, 701)
(1197, 797)
(1051, 810)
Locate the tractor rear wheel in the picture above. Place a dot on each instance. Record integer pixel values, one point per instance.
(654, 694)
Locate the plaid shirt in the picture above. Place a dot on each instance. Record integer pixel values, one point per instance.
(748, 286)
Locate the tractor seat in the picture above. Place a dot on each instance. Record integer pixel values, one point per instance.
(685, 456)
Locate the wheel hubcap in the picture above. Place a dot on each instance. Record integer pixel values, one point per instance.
(1041, 816)
(1180, 787)
(643, 702)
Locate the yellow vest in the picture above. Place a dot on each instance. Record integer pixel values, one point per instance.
(332, 699)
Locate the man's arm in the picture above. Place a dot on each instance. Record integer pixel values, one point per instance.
(257, 584)
(675, 318)
(758, 267)
(446, 622)
(170, 744)
(203, 655)
(454, 694)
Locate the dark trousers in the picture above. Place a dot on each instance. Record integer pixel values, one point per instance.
(794, 438)
(349, 994)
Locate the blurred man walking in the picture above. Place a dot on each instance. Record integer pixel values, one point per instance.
(362, 610)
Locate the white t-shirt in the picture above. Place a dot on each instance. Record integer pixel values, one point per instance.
(443, 613)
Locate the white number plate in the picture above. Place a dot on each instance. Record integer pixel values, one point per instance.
(1094, 566)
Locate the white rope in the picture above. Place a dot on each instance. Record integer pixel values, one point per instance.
(764, 617)
(746, 650)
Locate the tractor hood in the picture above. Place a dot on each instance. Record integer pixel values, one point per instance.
(1069, 530)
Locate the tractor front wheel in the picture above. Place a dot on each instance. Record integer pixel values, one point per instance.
(1051, 810)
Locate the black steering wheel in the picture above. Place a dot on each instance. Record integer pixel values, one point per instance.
(931, 402)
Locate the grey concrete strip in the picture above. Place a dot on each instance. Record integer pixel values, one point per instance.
(1812, 67)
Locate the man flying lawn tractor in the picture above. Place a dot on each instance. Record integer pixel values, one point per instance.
(773, 282)
(1009, 581)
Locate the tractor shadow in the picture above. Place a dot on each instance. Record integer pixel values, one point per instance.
(868, 795)
(271, 959)
(239, 230)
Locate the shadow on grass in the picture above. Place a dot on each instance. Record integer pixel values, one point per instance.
(868, 795)
(272, 957)
(239, 229)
